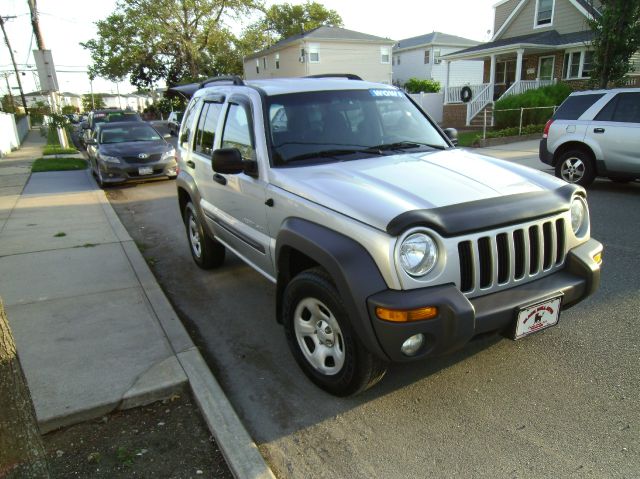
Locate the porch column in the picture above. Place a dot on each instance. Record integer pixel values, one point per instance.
(446, 81)
(519, 65)
(492, 76)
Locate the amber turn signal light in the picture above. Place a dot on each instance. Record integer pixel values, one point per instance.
(405, 316)
(598, 257)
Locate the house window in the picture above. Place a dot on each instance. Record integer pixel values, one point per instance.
(505, 72)
(257, 66)
(314, 54)
(277, 61)
(545, 67)
(544, 12)
(436, 56)
(427, 57)
(577, 64)
(264, 63)
(384, 55)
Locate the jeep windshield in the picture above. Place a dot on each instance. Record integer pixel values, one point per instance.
(341, 125)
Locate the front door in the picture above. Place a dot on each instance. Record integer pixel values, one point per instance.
(235, 204)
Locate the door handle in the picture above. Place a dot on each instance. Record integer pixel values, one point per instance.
(598, 130)
(190, 164)
(219, 179)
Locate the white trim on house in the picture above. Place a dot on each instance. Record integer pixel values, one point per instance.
(535, 15)
(582, 10)
(501, 2)
(553, 67)
(508, 21)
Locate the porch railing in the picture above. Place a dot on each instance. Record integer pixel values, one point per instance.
(454, 93)
(522, 86)
(479, 101)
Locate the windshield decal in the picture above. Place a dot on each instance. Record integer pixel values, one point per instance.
(386, 92)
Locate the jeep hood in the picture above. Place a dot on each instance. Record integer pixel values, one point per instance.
(376, 190)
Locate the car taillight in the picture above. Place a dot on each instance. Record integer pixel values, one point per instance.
(545, 133)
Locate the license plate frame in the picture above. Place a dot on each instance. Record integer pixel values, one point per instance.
(540, 315)
(145, 170)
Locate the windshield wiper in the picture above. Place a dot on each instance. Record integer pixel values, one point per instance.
(322, 154)
(401, 145)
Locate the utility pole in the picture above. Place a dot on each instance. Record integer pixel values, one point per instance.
(13, 105)
(15, 67)
(36, 25)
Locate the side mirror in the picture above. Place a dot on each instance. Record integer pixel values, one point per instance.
(85, 125)
(227, 160)
(452, 134)
(91, 141)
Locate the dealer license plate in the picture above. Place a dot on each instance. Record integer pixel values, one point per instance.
(536, 317)
(145, 170)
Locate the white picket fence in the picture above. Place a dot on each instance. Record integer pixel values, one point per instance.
(12, 133)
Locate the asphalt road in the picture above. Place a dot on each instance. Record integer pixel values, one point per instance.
(562, 403)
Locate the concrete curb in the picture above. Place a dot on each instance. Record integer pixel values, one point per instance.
(241, 453)
(505, 140)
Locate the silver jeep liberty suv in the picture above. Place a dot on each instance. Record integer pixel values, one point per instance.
(385, 242)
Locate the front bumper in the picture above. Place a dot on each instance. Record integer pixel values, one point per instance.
(119, 173)
(461, 318)
(545, 155)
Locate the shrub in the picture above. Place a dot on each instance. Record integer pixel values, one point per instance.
(548, 96)
(417, 85)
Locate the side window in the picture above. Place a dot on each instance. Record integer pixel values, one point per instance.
(197, 141)
(186, 124)
(628, 108)
(574, 106)
(606, 114)
(237, 131)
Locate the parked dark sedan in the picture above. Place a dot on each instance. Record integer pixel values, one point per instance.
(130, 151)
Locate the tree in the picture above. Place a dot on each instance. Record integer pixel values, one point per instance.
(170, 40)
(68, 109)
(88, 103)
(285, 20)
(21, 449)
(616, 37)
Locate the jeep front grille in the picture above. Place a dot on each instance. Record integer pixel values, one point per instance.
(501, 259)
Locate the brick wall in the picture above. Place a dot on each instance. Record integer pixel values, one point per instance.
(454, 116)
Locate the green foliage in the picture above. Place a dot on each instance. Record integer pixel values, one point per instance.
(57, 150)
(8, 104)
(58, 164)
(171, 40)
(514, 131)
(166, 105)
(616, 37)
(88, 103)
(68, 109)
(547, 96)
(418, 85)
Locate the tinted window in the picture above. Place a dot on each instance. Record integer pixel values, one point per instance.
(126, 134)
(205, 134)
(574, 106)
(627, 108)
(237, 131)
(186, 125)
(606, 114)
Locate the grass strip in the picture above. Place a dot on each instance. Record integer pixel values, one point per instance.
(58, 164)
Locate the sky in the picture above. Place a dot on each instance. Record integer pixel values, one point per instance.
(66, 23)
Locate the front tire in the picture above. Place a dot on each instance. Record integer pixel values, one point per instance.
(206, 252)
(321, 339)
(577, 167)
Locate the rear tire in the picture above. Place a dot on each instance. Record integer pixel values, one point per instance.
(205, 251)
(321, 339)
(577, 167)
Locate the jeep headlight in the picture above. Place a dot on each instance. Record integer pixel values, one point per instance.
(578, 216)
(418, 254)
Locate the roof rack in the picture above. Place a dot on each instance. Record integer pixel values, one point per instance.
(348, 76)
(234, 79)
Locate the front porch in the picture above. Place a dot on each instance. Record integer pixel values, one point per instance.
(508, 72)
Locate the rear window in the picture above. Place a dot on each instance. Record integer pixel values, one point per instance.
(574, 106)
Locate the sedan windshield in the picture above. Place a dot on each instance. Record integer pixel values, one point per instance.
(347, 124)
(126, 134)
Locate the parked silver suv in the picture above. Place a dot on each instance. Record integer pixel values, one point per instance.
(595, 133)
(384, 241)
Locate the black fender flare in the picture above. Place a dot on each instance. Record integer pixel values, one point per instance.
(466, 94)
(349, 264)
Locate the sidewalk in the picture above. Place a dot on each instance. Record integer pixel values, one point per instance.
(93, 328)
(522, 152)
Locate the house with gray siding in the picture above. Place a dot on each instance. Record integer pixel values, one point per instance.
(421, 57)
(535, 43)
(324, 50)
